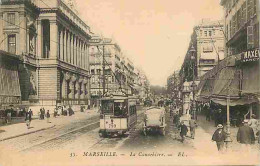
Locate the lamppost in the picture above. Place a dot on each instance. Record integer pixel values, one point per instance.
(192, 51)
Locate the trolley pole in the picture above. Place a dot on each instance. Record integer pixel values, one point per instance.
(103, 66)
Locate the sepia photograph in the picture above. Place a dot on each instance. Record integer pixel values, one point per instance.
(129, 82)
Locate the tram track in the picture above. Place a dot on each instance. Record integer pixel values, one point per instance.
(70, 135)
(59, 140)
(120, 140)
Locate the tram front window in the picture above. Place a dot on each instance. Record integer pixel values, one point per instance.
(120, 109)
(107, 107)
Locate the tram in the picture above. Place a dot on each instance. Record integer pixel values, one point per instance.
(117, 115)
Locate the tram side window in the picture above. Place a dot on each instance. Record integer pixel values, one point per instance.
(107, 107)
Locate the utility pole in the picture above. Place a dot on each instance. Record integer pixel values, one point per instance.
(228, 139)
(103, 66)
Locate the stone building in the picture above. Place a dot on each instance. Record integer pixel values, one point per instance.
(117, 71)
(241, 20)
(210, 45)
(52, 42)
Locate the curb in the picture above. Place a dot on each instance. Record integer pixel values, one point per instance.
(31, 132)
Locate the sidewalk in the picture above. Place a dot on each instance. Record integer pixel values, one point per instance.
(206, 129)
(20, 129)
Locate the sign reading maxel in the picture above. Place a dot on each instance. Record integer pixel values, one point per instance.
(250, 55)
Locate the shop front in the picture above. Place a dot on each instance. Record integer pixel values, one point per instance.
(233, 85)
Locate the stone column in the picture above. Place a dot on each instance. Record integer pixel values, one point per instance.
(81, 88)
(67, 79)
(71, 49)
(21, 46)
(81, 54)
(68, 45)
(39, 38)
(61, 44)
(65, 46)
(78, 64)
(84, 56)
(78, 50)
(87, 57)
(54, 41)
(74, 50)
(73, 80)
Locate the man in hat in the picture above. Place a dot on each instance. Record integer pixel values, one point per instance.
(245, 135)
(219, 136)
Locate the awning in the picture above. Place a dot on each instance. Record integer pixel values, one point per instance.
(227, 83)
(251, 79)
(234, 102)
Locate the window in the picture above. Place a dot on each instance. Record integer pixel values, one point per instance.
(93, 79)
(209, 33)
(12, 44)
(11, 19)
(205, 33)
(98, 71)
(214, 32)
(200, 32)
(92, 71)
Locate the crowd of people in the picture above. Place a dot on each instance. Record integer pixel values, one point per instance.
(27, 113)
(247, 134)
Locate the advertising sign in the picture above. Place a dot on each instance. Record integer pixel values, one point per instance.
(250, 55)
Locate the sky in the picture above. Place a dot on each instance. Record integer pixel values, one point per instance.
(154, 34)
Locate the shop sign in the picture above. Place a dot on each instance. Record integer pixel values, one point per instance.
(250, 55)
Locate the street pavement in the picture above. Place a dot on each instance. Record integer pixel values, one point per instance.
(74, 138)
(18, 137)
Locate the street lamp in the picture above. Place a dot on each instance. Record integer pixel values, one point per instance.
(192, 51)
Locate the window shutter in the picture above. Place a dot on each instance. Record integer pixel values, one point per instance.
(250, 37)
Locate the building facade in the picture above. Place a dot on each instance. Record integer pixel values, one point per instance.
(52, 42)
(210, 45)
(118, 69)
(241, 19)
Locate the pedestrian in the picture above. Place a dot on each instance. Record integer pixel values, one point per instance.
(43, 112)
(193, 125)
(28, 118)
(48, 116)
(55, 112)
(245, 136)
(253, 122)
(8, 115)
(183, 131)
(219, 136)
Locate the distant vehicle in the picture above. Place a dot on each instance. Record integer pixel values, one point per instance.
(117, 115)
(154, 120)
